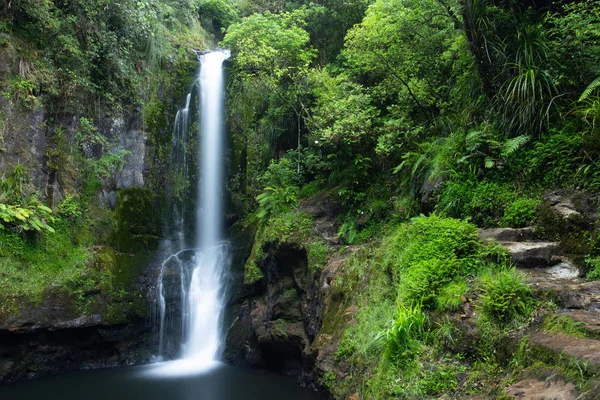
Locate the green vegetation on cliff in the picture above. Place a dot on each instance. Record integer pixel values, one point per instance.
(430, 119)
(88, 89)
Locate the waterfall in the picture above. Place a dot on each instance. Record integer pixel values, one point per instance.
(197, 273)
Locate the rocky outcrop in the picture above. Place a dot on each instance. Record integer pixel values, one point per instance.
(275, 325)
(552, 274)
(287, 321)
(92, 329)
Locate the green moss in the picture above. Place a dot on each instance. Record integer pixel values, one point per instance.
(292, 228)
(137, 221)
(564, 324)
(105, 259)
(252, 274)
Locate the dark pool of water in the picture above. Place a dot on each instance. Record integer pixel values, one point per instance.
(223, 382)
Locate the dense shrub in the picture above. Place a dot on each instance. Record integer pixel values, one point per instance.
(505, 296)
(429, 253)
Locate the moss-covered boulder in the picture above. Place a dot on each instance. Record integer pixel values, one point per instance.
(137, 221)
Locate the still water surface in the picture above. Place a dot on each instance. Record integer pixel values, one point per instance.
(222, 382)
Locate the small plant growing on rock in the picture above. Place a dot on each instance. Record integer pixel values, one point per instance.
(405, 332)
(505, 297)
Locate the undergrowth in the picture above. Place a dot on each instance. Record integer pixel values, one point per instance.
(407, 341)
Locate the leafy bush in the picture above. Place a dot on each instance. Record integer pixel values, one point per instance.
(486, 204)
(33, 217)
(70, 207)
(594, 268)
(429, 253)
(505, 297)
(520, 213)
(275, 201)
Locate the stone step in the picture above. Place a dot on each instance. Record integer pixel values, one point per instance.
(549, 389)
(589, 318)
(524, 246)
(574, 293)
(508, 234)
(582, 349)
(533, 254)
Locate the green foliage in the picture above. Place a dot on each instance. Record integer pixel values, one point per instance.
(318, 253)
(520, 213)
(21, 91)
(590, 89)
(567, 156)
(564, 324)
(35, 217)
(252, 274)
(218, 14)
(274, 201)
(505, 297)
(593, 263)
(87, 54)
(70, 207)
(20, 209)
(28, 267)
(430, 253)
(487, 203)
(451, 296)
(405, 333)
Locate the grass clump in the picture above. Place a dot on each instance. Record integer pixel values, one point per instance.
(451, 296)
(505, 297)
(405, 333)
(563, 324)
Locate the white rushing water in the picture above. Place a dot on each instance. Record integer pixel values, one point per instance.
(200, 270)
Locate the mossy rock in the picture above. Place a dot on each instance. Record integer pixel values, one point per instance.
(105, 259)
(137, 221)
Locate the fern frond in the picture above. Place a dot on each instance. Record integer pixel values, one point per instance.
(512, 145)
(591, 87)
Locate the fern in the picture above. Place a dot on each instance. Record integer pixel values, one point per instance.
(591, 87)
(512, 145)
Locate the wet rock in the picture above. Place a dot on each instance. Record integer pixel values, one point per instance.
(24, 142)
(324, 209)
(582, 349)
(531, 389)
(7, 55)
(568, 293)
(533, 254)
(508, 234)
(132, 173)
(565, 269)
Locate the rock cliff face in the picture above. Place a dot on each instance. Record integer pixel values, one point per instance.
(89, 323)
(291, 321)
(58, 334)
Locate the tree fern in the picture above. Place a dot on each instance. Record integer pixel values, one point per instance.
(591, 87)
